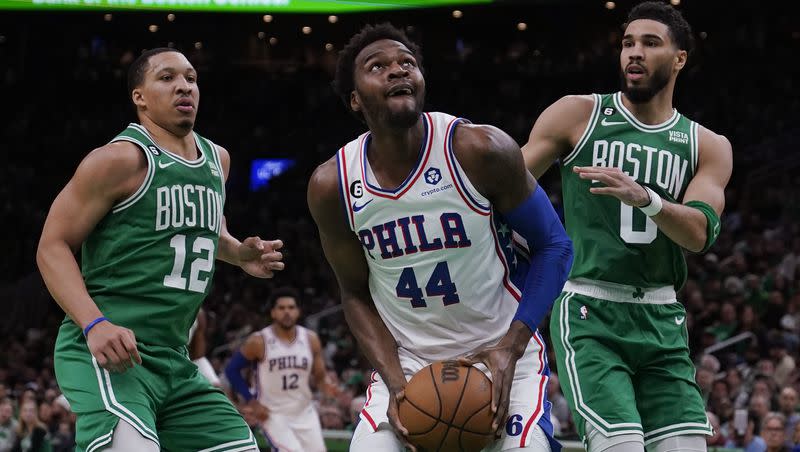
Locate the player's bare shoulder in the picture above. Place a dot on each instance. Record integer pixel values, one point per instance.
(569, 116)
(710, 142)
(117, 169)
(492, 161)
(323, 190)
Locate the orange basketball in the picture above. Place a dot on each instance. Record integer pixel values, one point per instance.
(447, 407)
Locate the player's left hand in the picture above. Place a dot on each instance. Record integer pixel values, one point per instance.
(617, 184)
(501, 360)
(261, 258)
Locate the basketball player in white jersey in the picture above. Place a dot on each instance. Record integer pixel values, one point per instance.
(415, 217)
(286, 354)
(197, 348)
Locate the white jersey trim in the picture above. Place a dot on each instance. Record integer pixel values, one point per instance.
(148, 179)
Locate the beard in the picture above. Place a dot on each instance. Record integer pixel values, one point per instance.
(404, 119)
(186, 124)
(642, 93)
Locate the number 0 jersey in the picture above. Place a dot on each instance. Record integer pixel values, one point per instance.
(615, 242)
(441, 261)
(149, 262)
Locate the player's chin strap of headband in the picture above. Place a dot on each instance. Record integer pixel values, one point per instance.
(712, 222)
(551, 256)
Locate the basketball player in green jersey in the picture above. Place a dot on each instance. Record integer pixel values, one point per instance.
(147, 211)
(641, 182)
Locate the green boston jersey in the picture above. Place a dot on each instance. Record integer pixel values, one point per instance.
(149, 262)
(615, 242)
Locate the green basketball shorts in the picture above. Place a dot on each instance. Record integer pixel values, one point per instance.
(165, 399)
(623, 361)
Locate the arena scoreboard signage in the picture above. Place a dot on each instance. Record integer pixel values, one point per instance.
(305, 6)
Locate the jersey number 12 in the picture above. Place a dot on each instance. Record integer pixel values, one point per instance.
(204, 263)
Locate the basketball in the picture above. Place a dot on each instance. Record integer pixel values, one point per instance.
(447, 407)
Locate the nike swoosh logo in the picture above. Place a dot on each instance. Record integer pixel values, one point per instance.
(164, 165)
(606, 122)
(679, 320)
(357, 208)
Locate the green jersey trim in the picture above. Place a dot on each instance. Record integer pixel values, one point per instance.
(589, 129)
(642, 127)
(151, 170)
(190, 163)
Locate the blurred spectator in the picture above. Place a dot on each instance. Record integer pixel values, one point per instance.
(32, 434)
(8, 425)
(759, 408)
(749, 440)
(787, 403)
(774, 432)
(560, 407)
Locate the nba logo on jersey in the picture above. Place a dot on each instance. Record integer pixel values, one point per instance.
(584, 312)
(433, 176)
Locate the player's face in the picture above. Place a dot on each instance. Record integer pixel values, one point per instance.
(389, 87)
(649, 59)
(169, 95)
(285, 313)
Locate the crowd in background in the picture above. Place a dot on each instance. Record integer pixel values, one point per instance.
(265, 100)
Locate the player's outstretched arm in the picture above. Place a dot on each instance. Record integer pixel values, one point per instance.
(556, 132)
(107, 175)
(257, 257)
(495, 166)
(344, 253)
(695, 224)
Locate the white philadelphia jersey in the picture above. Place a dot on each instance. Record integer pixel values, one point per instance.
(282, 377)
(440, 259)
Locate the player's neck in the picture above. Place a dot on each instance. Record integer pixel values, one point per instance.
(393, 152)
(183, 146)
(655, 111)
(286, 334)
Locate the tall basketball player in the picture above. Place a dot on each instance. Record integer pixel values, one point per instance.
(147, 211)
(415, 217)
(641, 183)
(286, 354)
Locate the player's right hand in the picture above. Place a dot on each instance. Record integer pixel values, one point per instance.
(394, 419)
(114, 347)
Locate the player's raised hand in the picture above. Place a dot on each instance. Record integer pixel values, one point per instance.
(261, 258)
(395, 397)
(615, 183)
(501, 360)
(114, 347)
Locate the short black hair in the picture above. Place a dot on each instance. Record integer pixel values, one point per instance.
(283, 292)
(141, 64)
(344, 82)
(679, 29)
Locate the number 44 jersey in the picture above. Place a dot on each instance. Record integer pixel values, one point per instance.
(148, 263)
(615, 242)
(441, 262)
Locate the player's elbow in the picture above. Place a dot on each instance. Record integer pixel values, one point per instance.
(696, 242)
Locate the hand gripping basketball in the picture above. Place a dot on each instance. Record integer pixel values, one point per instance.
(447, 406)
